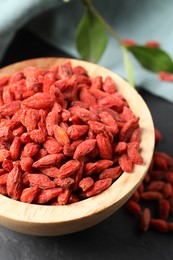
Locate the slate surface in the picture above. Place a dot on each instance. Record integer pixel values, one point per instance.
(115, 238)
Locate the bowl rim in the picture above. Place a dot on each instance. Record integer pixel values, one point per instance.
(114, 196)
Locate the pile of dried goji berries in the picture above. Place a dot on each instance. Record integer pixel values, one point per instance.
(64, 136)
(153, 200)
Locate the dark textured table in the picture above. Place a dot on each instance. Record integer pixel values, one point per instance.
(115, 238)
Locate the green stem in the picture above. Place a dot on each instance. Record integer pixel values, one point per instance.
(108, 28)
(128, 66)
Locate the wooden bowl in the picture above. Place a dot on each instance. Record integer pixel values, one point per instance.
(58, 220)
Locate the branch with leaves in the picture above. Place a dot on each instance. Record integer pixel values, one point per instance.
(92, 38)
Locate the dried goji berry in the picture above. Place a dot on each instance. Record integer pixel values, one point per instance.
(64, 183)
(69, 168)
(96, 127)
(151, 195)
(120, 147)
(19, 131)
(64, 197)
(29, 194)
(133, 207)
(68, 150)
(113, 173)
(153, 44)
(98, 187)
(136, 135)
(7, 165)
(14, 182)
(156, 185)
(107, 119)
(3, 178)
(129, 42)
(89, 168)
(77, 176)
(164, 209)
(128, 128)
(41, 153)
(29, 118)
(52, 146)
(101, 165)
(144, 220)
(17, 76)
(86, 97)
(84, 148)
(111, 101)
(60, 135)
(159, 225)
(140, 189)
(25, 138)
(5, 133)
(97, 93)
(157, 174)
(40, 180)
(4, 154)
(127, 114)
(86, 183)
(165, 76)
(160, 163)
(76, 131)
(51, 120)
(79, 70)
(45, 195)
(52, 172)
(4, 80)
(169, 176)
(39, 100)
(7, 95)
(3, 189)
(86, 115)
(49, 160)
(37, 136)
(133, 153)
(96, 82)
(167, 190)
(109, 85)
(26, 163)
(125, 163)
(10, 108)
(30, 149)
(165, 156)
(105, 148)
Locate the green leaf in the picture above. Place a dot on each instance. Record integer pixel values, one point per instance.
(91, 38)
(153, 59)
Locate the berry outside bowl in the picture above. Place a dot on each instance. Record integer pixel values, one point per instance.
(45, 220)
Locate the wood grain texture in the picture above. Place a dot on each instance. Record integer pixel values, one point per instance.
(59, 220)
